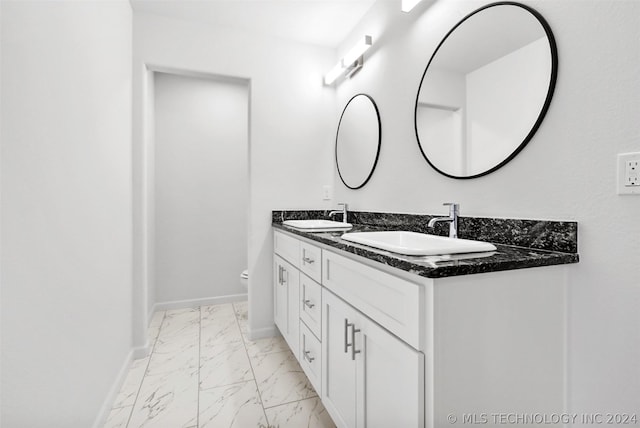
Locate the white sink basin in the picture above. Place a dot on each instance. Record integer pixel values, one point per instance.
(417, 244)
(317, 225)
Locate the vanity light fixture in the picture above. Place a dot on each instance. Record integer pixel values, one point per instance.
(351, 62)
(334, 73)
(407, 5)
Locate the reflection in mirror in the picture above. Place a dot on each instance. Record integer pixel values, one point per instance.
(358, 141)
(485, 90)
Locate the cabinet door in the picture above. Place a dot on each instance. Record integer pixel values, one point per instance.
(280, 296)
(292, 279)
(286, 306)
(338, 367)
(390, 379)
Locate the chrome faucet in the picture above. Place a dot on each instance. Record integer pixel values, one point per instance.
(454, 211)
(343, 211)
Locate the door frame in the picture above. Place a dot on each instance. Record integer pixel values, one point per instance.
(143, 215)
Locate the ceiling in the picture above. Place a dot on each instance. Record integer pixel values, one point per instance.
(318, 22)
(503, 29)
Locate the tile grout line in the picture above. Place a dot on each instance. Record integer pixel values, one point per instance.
(294, 401)
(144, 375)
(226, 385)
(244, 343)
(199, 365)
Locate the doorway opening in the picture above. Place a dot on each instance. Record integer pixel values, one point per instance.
(194, 191)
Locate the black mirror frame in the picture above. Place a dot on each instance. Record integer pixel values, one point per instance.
(375, 162)
(543, 111)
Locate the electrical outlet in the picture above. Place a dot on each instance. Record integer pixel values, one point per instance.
(629, 174)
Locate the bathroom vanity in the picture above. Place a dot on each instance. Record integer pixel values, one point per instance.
(433, 341)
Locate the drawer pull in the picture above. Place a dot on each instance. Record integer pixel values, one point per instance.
(308, 260)
(308, 304)
(308, 357)
(347, 324)
(354, 330)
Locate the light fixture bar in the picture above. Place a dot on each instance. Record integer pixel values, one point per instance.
(354, 67)
(334, 73)
(407, 5)
(357, 51)
(350, 59)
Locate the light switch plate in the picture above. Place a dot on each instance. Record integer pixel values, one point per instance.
(629, 174)
(327, 192)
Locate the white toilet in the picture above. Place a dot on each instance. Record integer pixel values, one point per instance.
(244, 279)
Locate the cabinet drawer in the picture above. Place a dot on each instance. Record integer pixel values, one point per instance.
(311, 261)
(311, 357)
(392, 302)
(287, 247)
(311, 304)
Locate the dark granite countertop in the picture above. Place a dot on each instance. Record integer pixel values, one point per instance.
(506, 257)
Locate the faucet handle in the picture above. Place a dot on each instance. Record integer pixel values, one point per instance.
(453, 207)
(344, 211)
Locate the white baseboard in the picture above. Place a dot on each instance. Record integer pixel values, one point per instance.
(134, 354)
(194, 303)
(103, 414)
(254, 334)
(142, 351)
(262, 333)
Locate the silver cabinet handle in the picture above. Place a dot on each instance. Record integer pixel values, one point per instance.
(308, 357)
(306, 354)
(308, 304)
(347, 324)
(281, 278)
(306, 259)
(354, 330)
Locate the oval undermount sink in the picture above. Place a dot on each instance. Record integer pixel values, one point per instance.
(317, 225)
(417, 244)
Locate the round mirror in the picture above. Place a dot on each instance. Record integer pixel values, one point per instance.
(485, 90)
(358, 141)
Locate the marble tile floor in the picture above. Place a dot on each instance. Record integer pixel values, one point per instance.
(203, 371)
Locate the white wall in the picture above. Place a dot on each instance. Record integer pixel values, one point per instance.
(510, 90)
(66, 209)
(1, 279)
(442, 113)
(567, 171)
(201, 186)
(291, 132)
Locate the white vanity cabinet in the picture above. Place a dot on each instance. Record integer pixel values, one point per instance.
(367, 376)
(387, 348)
(370, 378)
(285, 305)
(297, 301)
